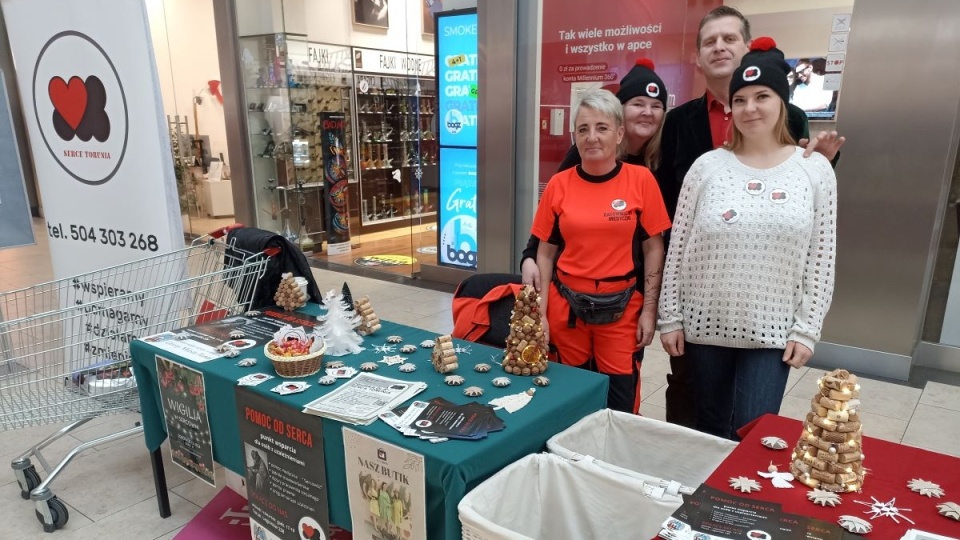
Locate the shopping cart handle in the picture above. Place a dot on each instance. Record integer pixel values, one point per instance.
(222, 231)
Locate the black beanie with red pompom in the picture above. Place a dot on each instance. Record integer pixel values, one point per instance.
(642, 80)
(764, 65)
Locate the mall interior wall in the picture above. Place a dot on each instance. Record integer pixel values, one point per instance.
(185, 47)
(893, 177)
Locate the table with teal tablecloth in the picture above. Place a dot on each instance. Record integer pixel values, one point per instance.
(452, 468)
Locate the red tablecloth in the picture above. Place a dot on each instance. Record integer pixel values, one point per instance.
(889, 467)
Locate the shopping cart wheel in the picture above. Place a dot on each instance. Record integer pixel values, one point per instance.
(32, 480)
(58, 512)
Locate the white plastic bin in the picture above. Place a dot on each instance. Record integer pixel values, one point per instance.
(546, 496)
(643, 448)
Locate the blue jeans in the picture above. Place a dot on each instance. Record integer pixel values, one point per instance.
(735, 386)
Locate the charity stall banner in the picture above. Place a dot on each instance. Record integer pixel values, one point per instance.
(101, 152)
(386, 489)
(92, 105)
(16, 228)
(457, 229)
(594, 47)
(457, 78)
(286, 480)
(183, 398)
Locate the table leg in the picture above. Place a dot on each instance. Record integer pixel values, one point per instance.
(160, 483)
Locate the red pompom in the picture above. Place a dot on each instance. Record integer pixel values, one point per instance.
(763, 44)
(646, 62)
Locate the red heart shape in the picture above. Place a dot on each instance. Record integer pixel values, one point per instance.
(69, 99)
(308, 530)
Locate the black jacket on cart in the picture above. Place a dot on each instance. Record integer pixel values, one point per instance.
(290, 259)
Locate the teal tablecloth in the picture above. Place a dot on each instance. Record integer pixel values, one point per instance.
(452, 468)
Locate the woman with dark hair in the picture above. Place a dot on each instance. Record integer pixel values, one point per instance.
(644, 99)
(749, 275)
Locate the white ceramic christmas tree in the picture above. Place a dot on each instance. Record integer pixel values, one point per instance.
(338, 325)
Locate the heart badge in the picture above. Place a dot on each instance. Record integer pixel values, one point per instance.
(69, 99)
(755, 187)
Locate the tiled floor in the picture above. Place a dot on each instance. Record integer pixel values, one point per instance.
(109, 490)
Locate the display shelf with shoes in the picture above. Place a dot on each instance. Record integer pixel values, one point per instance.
(397, 169)
(289, 83)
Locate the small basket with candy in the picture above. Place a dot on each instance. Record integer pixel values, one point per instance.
(294, 353)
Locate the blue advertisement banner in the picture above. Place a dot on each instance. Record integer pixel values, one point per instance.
(457, 79)
(458, 207)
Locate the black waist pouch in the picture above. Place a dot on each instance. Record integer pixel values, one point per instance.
(596, 308)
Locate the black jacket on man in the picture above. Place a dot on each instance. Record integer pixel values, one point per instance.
(687, 136)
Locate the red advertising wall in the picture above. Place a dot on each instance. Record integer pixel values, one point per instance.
(597, 42)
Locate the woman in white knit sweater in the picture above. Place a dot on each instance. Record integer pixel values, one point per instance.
(750, 271)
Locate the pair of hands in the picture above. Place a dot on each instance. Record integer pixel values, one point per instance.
(827, 143)
(796, 354)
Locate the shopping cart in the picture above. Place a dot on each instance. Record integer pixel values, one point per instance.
(64, 345)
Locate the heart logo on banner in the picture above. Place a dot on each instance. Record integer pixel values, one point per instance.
(69, 99)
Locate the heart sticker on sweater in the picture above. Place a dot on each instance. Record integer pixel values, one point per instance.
(730, 216)
(755, 187)
(779, 196)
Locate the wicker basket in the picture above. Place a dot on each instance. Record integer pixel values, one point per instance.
(297, 366)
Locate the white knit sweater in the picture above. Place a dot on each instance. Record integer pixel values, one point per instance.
(751, 261)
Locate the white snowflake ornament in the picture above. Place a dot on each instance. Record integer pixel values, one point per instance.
(408, 349)
(774, 443)
(949, 510)
(393, 360)
(236, 334)
(394, 339)
(384, 349)
(427, 344)
(886, 509)
(744, 484)
(855, 525)
(407, 368)
(824, 497)
(925, 487)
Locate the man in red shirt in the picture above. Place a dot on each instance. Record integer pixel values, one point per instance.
(703, 124)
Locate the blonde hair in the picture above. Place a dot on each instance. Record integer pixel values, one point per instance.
(781, 132)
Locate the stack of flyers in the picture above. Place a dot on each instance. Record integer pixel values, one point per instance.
(363, 397)
(710, 514)
(438, 420)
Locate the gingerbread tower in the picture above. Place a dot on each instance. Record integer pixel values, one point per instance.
(526, 348)
(369, 322)
(829, 455)
(444, 355)
(288, 295)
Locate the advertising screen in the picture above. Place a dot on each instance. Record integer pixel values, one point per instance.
(458, 207)
(457, 79)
